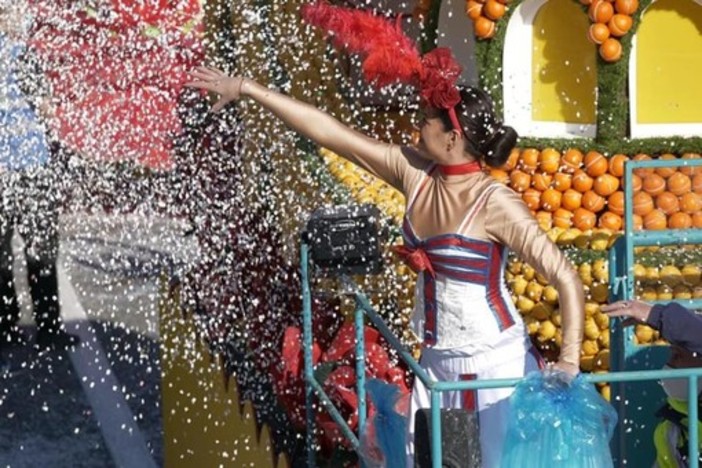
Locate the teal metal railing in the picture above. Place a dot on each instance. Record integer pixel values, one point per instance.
(364, 309)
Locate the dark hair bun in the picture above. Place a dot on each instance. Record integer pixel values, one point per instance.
(497, 149)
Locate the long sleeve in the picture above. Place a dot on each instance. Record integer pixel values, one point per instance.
(678, 325)
(509, 222)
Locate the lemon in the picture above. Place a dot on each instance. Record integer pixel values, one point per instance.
(550, 295)
(600, 270)
(613, 239)
(602, 320)
(643, 333)
(664, 292)
(534, 291)
(528, 272)
(568, 236)
(606, 392)
(554, 233)
(514, 267)
(541, 279)
(583, 240)
(671, 275)
(518, 285)
(599, 292)
(591, 308)
(524, 304)
(682, 291)
(556, 318)
(652, 275)
(558, 339)
(547, 331)
(648, 293)
(585, 273)
(587, 363)
(639, 272)
(532, 325)
(603, 339)
(541, 311)
(697, 292)
(590, 347)
(691, 274)
(509, 277)
(602, 359)
(600, 240)
(592, 331)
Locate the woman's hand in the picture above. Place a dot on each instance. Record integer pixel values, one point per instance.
(211, 79)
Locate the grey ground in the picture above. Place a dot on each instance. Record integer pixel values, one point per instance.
(115, 265)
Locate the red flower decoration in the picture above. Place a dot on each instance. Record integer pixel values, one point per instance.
(437, 81)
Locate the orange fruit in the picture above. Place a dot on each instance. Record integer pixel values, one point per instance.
(666, 172)
(626, 7)
(655, 220)
(653, 184)
(549, 160)
(494, 9)
(595, 164)
(473, 9)
(499, 175)
(571, 200)
(562, 181)
(532, 198)
(551, 200)
(529, 160)
(642, 172)
(591, 201)
(571, 160)
(563, 218)
(541, 181)
(606, 184)
(512, 160)
(697, 183)
(679, 184)
(483, 27)
(598, 33)
(609, 220)
(635, 183)
(600, 11)
(582, 182)
(611, 49)
(545, 220)
(667, 203)
(584, 219)
(697, 220)
(620, 24)
(643, 203)
(680, 221)
(637, 222)
(616, 164)
(691, 203)
(519, 181)
(615, 203)
(691, 171)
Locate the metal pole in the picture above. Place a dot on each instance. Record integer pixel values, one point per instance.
(307, 347)
(360, 368)
(435, 428)
(692, 417)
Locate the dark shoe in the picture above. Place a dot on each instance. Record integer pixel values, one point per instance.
(13, 336)
(56, 339)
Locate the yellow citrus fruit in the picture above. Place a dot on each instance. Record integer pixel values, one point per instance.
(585, 273)
(599, 292)
(591, 331)
(603, 340)
(671, 275)
(534, 291)
(591, 309)
(691, 274)
(547, 331)
(518, 285)
(600, 270)
(550, 295)
(541, 311)
(644, 333)
(524, 304)
(682, 291)
(664, 292)
(590, 347)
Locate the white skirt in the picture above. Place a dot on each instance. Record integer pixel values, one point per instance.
(511, 360)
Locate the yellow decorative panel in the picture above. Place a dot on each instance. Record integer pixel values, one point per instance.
(564, 65)
(669, 63)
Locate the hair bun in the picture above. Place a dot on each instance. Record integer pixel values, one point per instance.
(497, 148)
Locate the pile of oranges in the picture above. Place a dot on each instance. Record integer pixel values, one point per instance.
(572, 189)
(610, 21)
(485, 13)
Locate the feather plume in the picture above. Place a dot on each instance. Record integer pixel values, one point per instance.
(388, 55)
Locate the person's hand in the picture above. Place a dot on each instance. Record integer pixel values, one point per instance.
(211, 79)
(635, 312)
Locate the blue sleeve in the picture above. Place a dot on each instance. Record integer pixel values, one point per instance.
(678, 325)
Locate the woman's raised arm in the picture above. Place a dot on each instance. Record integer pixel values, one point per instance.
(307, 120)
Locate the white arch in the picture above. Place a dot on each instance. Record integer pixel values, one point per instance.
(637, 130)
(516, 79)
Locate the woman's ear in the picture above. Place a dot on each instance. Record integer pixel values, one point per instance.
(454, 138)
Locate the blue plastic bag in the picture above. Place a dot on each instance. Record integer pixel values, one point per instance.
(558, 422)
(383, 438)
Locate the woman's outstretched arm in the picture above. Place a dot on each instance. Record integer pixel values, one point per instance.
(382, 159)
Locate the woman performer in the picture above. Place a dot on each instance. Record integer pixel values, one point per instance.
(458, 225)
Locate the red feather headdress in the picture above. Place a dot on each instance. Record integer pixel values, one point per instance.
(389, 56)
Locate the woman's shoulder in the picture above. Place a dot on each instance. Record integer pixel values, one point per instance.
(414, 157)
